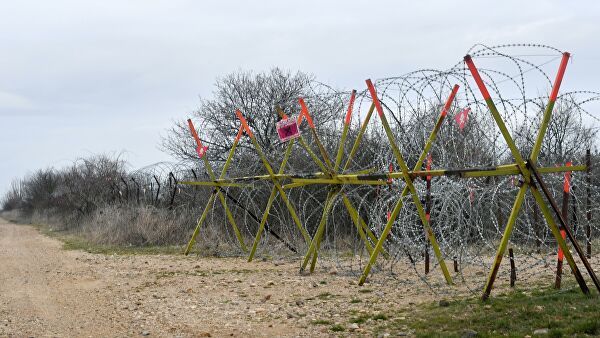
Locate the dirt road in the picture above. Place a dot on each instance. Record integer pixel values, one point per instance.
(46, 291)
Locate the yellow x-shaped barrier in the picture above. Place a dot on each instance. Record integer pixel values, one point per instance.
(336, 179)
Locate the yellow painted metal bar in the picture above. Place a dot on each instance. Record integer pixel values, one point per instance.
(359, 137)
(319, 236)
(399, 203)
(558, 236)
(273, 178)
(314, 156)
(496, 115)
(339, 179)
(567, 230)
(321, 178)
(200, 222)
(306, 114)
(265, 215)
(514, 213)
(314, 245)
(211, 173)
(238, 234)
(320, 227)
(216, 184)
(230, 218)
(311, 153)
(263, 221)
(332, 173)
(360, 225)
(537, 147)
(416, 200)
(513, 148)
(321, 148)
(340, 152)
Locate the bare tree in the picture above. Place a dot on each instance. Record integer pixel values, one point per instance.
(257, 96)
(567, 136)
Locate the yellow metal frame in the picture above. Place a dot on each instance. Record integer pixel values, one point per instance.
(336, 178)
(524, 168)
(216, 191)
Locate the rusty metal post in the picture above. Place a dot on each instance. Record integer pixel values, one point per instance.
(157, 188)
(195, 190)
(574, 220)
(569, 234)
(126, 189)
(137, 187)
(565, 215)
(428, 212)
(513, 270)
(174, 189)
(536, 226)
(588, 214)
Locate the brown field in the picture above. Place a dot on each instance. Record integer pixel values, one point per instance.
(46, 291)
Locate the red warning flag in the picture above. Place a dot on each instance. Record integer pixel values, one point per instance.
(461, 118)
(244, 124)
(567, 189)
(304, 114)
(201, 150)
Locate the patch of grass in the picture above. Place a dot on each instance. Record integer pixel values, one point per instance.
(591, 327)
(337, 328)
(355, 301)
(380, 316)
(74, 242)
(321, 322)
(365, 291)
(359, 320)
(166, 274)
(77, 243)
(564, 312)
(363, 318)
(323, 282)
(324, 295)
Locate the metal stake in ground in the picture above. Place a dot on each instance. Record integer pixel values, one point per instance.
(216, 191)
(526, 175)
(409, 185)
(565, 214)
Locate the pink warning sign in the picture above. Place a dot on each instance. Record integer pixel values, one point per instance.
(201, 150)
(287, 129)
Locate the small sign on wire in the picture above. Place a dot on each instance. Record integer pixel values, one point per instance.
(287, 129)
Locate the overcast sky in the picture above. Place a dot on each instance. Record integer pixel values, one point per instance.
(85, 77)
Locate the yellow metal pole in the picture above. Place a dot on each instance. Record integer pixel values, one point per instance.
(312, 250)
(561, 242)
(211, 173)
(265, 215)
(359, 137)
(359, 225)
(273, 176)
(525, 173)
(399, 203)
(416, 200)
(504, 241)
(366, 177)
(200, 222)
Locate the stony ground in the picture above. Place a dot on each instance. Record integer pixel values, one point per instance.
(46, 291)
